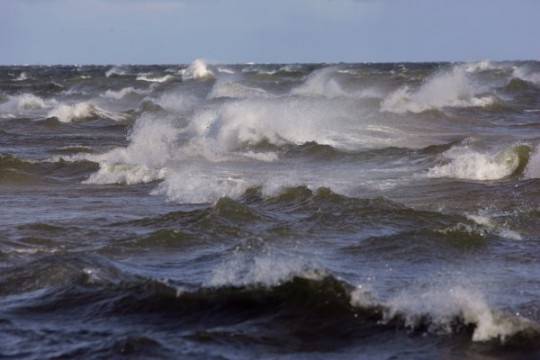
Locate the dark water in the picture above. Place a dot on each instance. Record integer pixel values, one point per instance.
(370, 211)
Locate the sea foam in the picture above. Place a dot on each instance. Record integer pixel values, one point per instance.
(25, 101)
(157, 79)
(451, 88)
(445, 304)
(464, 162)
(198, 70)
(67, 113)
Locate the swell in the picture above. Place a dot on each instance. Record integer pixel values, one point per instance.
(313, 150)
(302, 305)
(16, 171)
(303, 213)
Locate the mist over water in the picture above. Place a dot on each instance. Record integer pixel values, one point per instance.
(277, 211)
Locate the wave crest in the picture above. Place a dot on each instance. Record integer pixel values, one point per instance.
(451, 88)
(271, 287)
(156, 79)
(232, 89)
(198, 70)
(467, 163)
(25, 102)
(67, 113)
(119, 94)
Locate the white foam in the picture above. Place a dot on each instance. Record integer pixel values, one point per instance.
(525, 74)
(233, 89)
(196, 184)
(323, 83)
(532, 171)
(248, 122)
(22, 77)
(463, 162)
(211, 151)
(129, 174)
(119, 94)
(116, 70)
(67, 113)
(159, 79)
(198, 70)
(480, 66)
(443, 305)
(320, 83)
(225, 70)
(143, 160)
(265, 270)
(177, 102)
(26, 101)
(451, 88)
(484, 219)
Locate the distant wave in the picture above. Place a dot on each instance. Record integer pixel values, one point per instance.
(119, 94)
(452, 88)
(225, 70)
(233, 89)
(116, 71)
(198, 70)
(525, 74)
(67, 113)
(270, 71)
(22, 77)
(21, 172)
(24, 103)
(324, 83)
(158, 79)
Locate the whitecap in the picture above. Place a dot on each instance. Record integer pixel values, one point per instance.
(119, 94)
(115, 71)
(198, 70)
(451, 88)
(464, 162)
(22, 77)
(67, 113)
(233, 89)
(159, 79)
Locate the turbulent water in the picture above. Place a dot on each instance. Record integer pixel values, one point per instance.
(347, 211)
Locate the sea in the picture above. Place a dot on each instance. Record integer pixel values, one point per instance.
(270, 211)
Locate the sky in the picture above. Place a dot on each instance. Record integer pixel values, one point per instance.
(266, 31)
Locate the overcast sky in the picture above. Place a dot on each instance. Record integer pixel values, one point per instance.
(232, 31)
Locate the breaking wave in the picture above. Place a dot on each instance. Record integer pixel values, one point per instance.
(80, 111)
(273, 290)
(25, 102)
(198, 70)
(225, 70)
(452, 88)
(116, 71)
(233, 89)
(143, 160)
(525, 74)
(463, 162)
(533, 167)
(119, 94)
(155, 79)
(442, 310)
(22, 77)
(324, 83)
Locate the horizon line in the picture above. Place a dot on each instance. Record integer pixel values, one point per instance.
(273, 63)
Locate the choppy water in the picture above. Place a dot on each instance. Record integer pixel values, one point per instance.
(372, 211)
